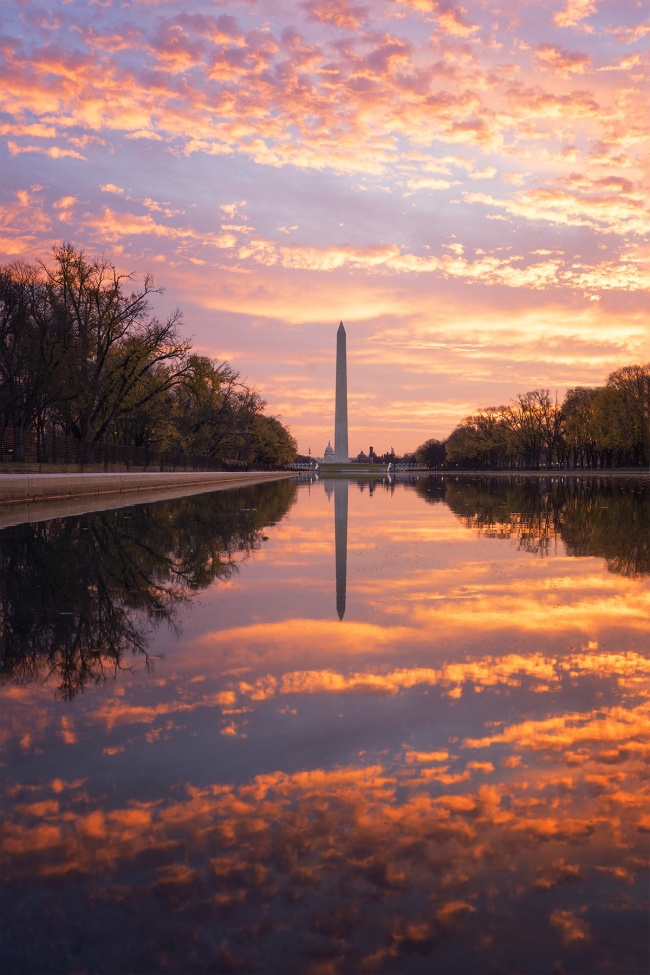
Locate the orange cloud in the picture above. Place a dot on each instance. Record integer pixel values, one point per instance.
(22, 221)
(65, 205)
(574, 12)
(54, 152)
(114, 225)
(563, 62)
(572, 928)
(337, 13)
(450, 16)
(580, 201)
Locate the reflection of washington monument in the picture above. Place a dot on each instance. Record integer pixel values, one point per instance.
(339, 488)
(341, 542)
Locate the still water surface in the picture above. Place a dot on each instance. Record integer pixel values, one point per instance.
(330, 728)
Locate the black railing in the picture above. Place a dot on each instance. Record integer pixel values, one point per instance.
(57, 448)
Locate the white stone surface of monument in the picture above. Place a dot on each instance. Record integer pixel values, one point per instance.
(341, 412)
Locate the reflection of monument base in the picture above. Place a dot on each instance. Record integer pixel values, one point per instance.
(352, 470)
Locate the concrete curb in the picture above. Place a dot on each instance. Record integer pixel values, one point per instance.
(19, 488)
(555, 474)
(22, 512)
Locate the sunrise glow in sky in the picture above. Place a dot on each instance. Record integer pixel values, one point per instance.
(465, 185)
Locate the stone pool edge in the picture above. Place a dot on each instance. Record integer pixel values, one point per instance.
(34, 497)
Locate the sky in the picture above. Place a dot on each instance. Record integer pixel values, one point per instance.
(464, 185)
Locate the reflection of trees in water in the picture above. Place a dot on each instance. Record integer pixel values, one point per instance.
(431, 488)
(519, 510)
(79, 594)
(614, 523)
(605, 517)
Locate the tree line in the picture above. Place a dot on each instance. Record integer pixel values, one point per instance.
(81, 354)
(594, 427)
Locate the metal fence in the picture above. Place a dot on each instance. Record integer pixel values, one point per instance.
(52, 447)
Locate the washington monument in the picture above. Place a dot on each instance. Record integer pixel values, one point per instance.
(341, 412)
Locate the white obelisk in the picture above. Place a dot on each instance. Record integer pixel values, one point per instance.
(341, 412)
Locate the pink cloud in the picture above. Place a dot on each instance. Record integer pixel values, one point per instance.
(24, 223)
(337, 13)
(54, 152)
(65, 206)
(629, 35)
(574, 12)
(563, 62)
(176, 50)
(219, 30)
(450, 16)
(115, 226)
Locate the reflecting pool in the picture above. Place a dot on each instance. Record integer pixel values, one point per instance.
(330, 727)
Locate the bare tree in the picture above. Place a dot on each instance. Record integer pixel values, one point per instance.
(114, 341)
(33, 353)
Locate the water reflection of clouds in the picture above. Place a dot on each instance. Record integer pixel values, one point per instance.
(516, 587)
(483, 672)
(237, 697)
(451, 778)
(414, 615)
(372, 864)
